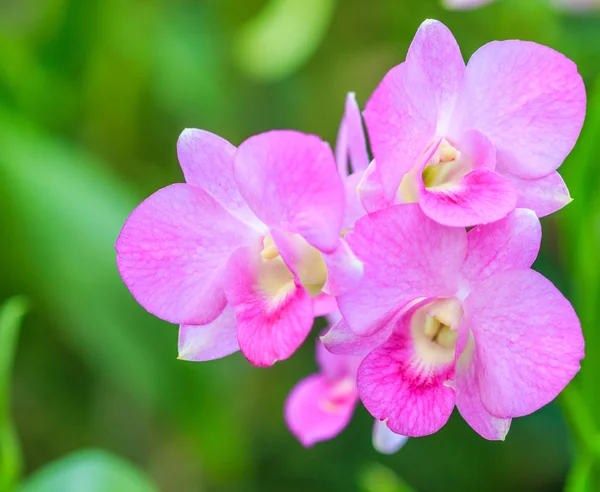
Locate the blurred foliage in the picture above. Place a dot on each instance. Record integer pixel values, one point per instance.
(92, 98)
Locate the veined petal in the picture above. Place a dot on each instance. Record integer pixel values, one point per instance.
(341, 340)
(528, 100)
(336, 366)
(212, 341)
(344, 270)
(385, 441)
(406, 256)
(318, 409)
(351, 144)
(479, 197)
(290, 181)
(172, 252)
(434, 55)
(370, 190)
(274, 312)
(528, 341)
(542, 195)
(468, 399)
(207, 162)
(401, 120)
(508, 244)
(410, 392)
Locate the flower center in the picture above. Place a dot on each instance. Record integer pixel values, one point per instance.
(435, 330)
(446, 166)
(277, 279)
(338, 395)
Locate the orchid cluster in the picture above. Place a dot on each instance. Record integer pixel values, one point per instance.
(420, 258)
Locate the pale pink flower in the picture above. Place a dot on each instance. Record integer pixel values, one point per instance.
(451, 317)
(240, 255)
(321, 405)
(471, 143)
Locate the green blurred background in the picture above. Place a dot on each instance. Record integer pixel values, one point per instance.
(93, 95)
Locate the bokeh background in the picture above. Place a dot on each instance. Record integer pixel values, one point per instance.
(93, 95)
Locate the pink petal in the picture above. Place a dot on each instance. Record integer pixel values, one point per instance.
(336, 366)
(405, 256)
(477, 148)
(324, 304)
(434, 54)
(212, 341)
(354, 208)
(511, 243)
(528, 99)
(370, 190)
(344, 270)
(394, 384)
(290, 181)
(351, 144)
(273, 310)
(207, 162)
(543, 195)
(465, 4)
(385, 441)
(401, 119)
(528, 341)
(480, 196)
(468, 401)
(172, 252)
(314, 412)
(341, 340)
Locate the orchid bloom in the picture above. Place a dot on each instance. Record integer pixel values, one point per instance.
(575, 5)
(321, 405)
(450, 317)
(240, 255)
(471, 143)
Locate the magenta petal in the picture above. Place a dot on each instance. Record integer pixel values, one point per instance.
(543, 195)
(370, 190)
(385, 441)
(212, 341)
(413, 396)
(401, 119)
(340, 340)
(354, 208)
(405, 256)
(528, 341)
(511, 243)
(172, 252)
(273, 318)
(290, 181)
(324, 304)
(464, 4)
(316, 410)
(336, 366)
(434, 55)
(207, 162)
(528, 99)
(479, 197)
(468, 401)
(344, 270)
(351, 143)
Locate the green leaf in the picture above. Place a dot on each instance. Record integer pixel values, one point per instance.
(378, 478)
(89, 471)
(11, 313)
(283, 36)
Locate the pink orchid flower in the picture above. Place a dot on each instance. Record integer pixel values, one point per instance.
(240, 255)
(320, 406)
(575, 5)
(471, 143)
(455, 318)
